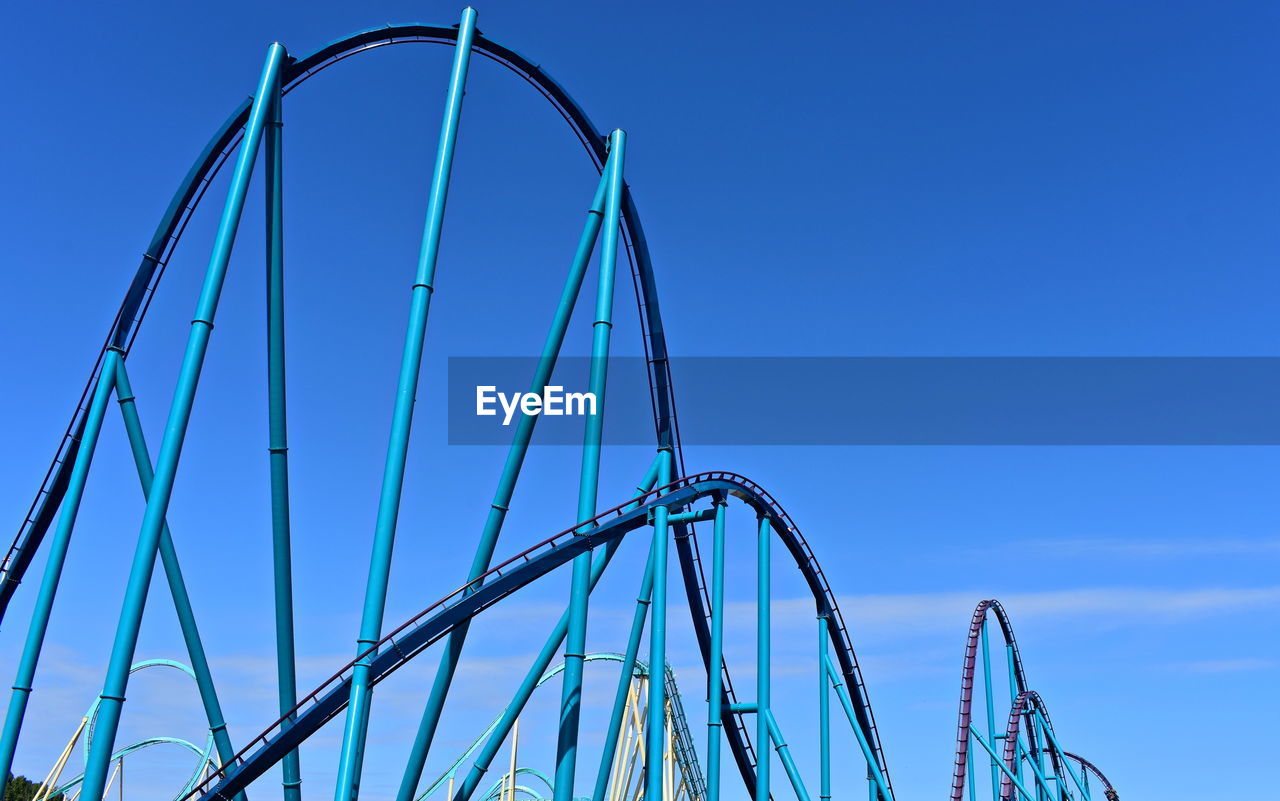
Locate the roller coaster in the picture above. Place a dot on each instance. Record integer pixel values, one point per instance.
(1006, 746)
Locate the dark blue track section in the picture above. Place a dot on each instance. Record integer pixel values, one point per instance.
(435, 622)
(191, 191)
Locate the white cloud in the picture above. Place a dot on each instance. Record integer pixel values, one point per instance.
(1105, 546)
(1229, 665)
(951, 610)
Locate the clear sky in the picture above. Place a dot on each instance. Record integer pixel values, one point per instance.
(904, 179)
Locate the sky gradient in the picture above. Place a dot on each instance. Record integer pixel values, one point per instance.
(830, 179)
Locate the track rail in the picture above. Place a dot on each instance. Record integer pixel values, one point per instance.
(433, 623)
(971, 645)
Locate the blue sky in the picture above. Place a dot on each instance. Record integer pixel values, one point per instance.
(827, 179)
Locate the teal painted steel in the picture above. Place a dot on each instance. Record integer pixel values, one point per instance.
(375, 598)
(991, 706)
(1000, 765)
(673, 507)
(544, 658)
(656, 740)
(126, 639)
(614, 727)
(199, 669)
(763, 656)
(842, 694)
(784, 754)
(824, 711)
(278, 438)
(205, 755)
(589, 480)
(1066, 764)
(506, 488)
(43, 609)
(715, 680)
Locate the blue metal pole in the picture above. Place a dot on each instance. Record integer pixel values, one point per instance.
(656, 712)
(589, 480)
(278, 440)
(1013, 692)
(375, 598)
(624, 680)
(53, 567)
(846, 702)
(502, 496)
(173, 572)
(126, 640)
(1053, 740)
(824, 710)
(991, 707)
(540, 664)
(1042, 782)
(1039, 755)
(715, 677)
(784, 754)
(999, 764)
(762, 659)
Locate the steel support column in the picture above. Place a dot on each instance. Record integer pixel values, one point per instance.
(173, 572)
(625, 678)
(375, 599)
(126, 639)
(715, 674)
(763, 660)
(502, 495)
(824, 710)
(543, 661)
(43, 609)
(656, 713)
(784, 754)
(589, 480)
(278, 439)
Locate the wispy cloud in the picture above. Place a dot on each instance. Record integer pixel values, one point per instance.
(1241, 665)
(949, 610)
(1169, 548)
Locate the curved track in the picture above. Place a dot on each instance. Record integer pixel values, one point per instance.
(187, 198)
(605, 530)
(431, 624)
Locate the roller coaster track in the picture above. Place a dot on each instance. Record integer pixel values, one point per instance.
(601, 532)
(431, 624)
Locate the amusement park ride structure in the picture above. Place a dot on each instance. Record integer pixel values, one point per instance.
(647, 726)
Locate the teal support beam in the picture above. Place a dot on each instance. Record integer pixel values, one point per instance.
(1026, 794)
(973, 779)
(763, 660)
(1038, 757)
(1012, 662)
(375, 599)
(1043, 788)
(502, 495)
(620, 695)
(784, 754)
(1053, 740)
(846, 702)
(715, 676)
(824, 711)
(126, 639)
(173, 572)
(656, 713)
(991, 706)
(540, 664)
(278, 439)
(589, 480)
(698, 516)
(61, 541)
